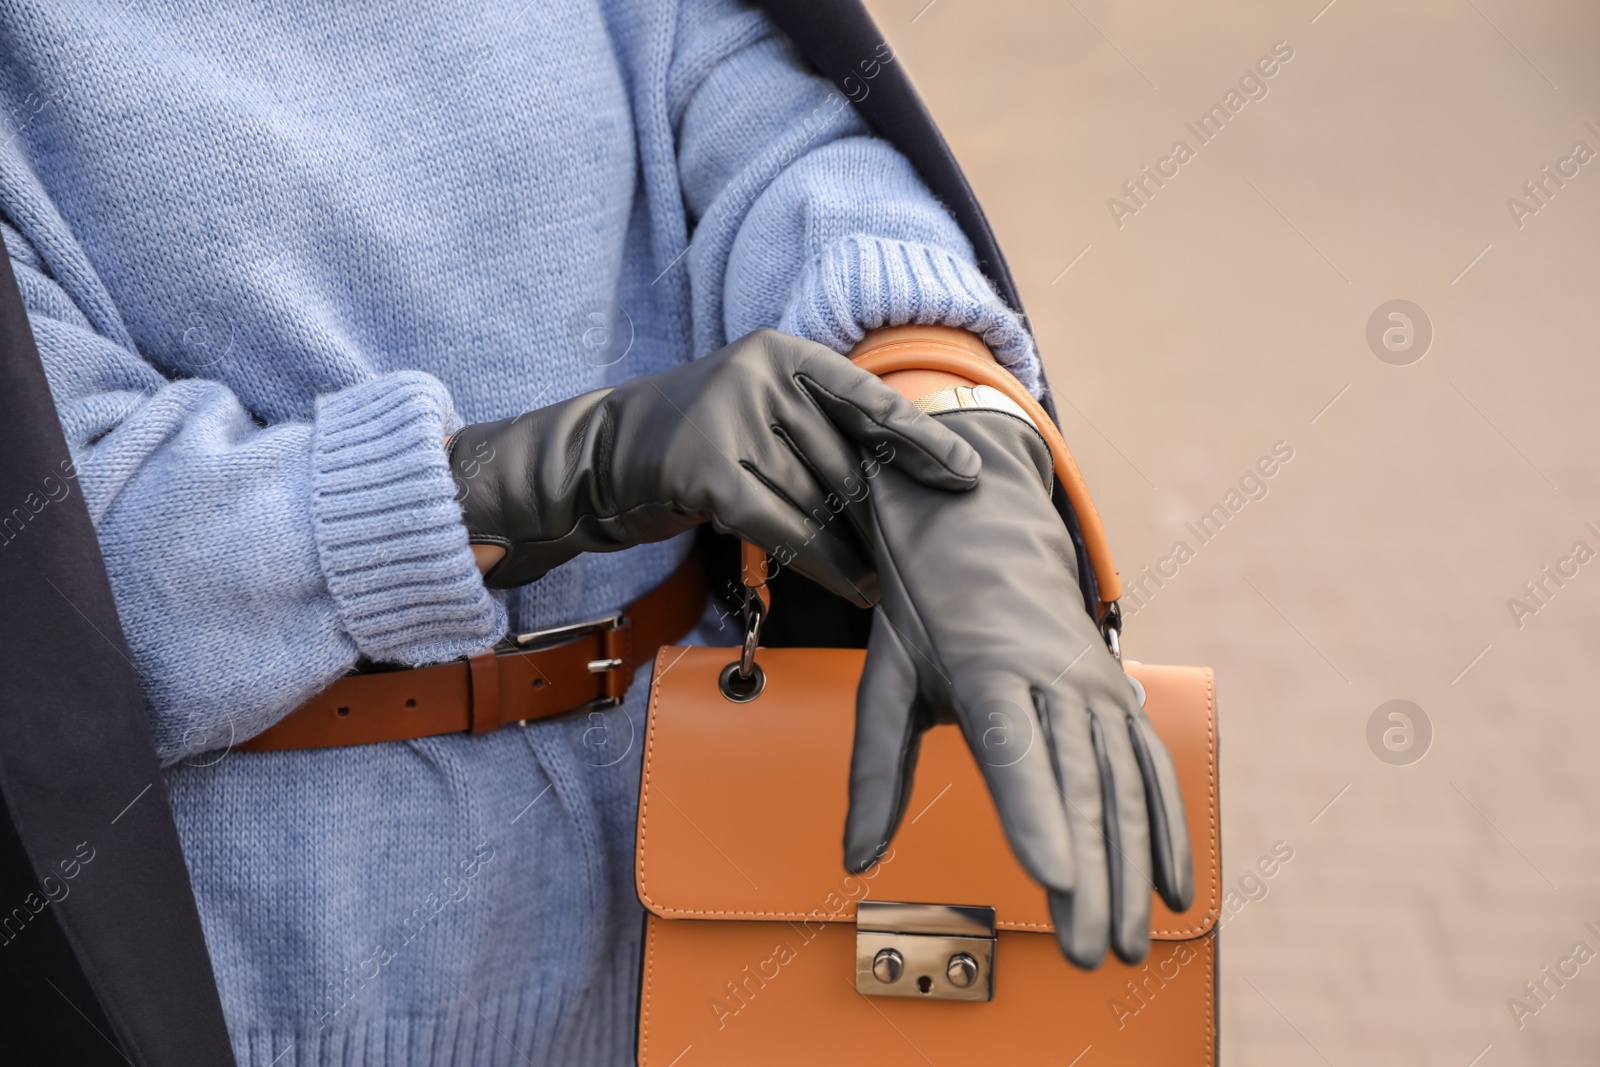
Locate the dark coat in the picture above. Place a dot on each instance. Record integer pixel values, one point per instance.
(116, 970)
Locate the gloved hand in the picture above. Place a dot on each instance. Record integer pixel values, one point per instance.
(982, 624)
(757, 439)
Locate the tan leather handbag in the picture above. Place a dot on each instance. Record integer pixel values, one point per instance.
(759, 949)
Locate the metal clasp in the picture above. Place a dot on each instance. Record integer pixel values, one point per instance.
(560, 635)
(1111, 628)
(743, 680)
(539, 640)
(755, 614)
(934, 951)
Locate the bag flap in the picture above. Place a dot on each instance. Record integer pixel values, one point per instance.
(742, 806)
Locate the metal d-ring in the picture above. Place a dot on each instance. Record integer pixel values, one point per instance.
(1111, 628)
(743, 679)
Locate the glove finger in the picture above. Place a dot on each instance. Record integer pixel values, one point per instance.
(1169, 826)
(765, 516)
(887, 425)
(1082, 917)
(829, 493)
(838, 466)
(1011, 746)
(884, 759)
(1127, 830)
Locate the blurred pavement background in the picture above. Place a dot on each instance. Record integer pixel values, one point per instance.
(1227, 310)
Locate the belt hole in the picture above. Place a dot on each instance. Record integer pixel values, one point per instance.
(344, 711)
(538, 683)
(411, 702)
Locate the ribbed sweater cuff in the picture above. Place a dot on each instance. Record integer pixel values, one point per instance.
(388, 527)
(861, 283)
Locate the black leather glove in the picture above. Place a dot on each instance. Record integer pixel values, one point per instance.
(982, 624)
(759, 439)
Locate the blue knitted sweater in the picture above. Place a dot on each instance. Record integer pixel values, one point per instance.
(272, 253)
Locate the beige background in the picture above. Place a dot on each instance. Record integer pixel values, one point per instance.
(1224, 317)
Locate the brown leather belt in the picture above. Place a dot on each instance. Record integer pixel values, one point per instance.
(582, 667)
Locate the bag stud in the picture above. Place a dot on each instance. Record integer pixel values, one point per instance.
(962, 970)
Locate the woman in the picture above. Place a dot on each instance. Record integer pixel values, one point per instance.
(274, 260)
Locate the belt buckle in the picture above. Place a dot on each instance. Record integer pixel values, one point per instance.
(538, 640)
(560, 635)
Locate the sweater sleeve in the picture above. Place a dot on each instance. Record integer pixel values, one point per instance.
(252, 562)
(803, 221)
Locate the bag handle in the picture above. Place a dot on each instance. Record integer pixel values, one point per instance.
(918, 361)
(938, 349)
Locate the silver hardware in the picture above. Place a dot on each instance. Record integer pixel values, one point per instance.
(972, 396)
(539, 640)
(738, 689)
(962, 970)
(557, 635)
(755, 614)
(1111, 628)
(743, 680)
(939, 951)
